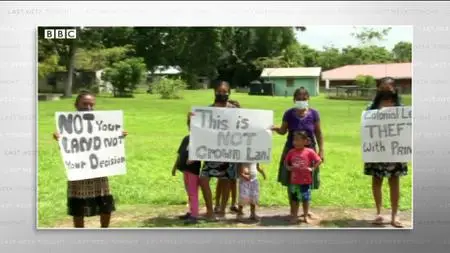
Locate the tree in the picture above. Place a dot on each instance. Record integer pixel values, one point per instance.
(125, 75)
(49, 65)
(248, 49)
(200, 53)
(152, 45)
(310, 56)
(97, 59)
(117, 36)
(271, 62)
(365, 55)
(402, 52)
(367, 36)
(294, 55)
(329, 58)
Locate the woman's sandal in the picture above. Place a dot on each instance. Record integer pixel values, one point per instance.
(396, 224)
(234, 209)
(310, 215)
(378, 220)
(255, 218)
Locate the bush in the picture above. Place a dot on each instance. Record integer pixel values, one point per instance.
(125, 76)
(169, 88)
(365, 81)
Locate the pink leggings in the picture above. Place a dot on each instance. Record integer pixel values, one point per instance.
(192, 183)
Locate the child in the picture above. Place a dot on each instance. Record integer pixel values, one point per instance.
(191, 171)
(89, 197)
(233, 193)
(301, 162)
(249, 188)
(392, 171)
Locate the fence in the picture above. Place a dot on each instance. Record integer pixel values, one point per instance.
(351, 92)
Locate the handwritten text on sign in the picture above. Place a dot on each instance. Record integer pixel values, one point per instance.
(386, 135)
(230, 135)
(91, 143)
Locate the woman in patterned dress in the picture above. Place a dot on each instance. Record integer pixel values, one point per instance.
(89, 197)
(392, 171)
(225, 172)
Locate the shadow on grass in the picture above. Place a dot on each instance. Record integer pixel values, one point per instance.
(161, 221)
(172, 222)
(265, 221)
(274, 221)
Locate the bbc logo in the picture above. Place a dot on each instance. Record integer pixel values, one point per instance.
(60, 33)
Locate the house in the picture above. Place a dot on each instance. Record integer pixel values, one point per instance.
(173, 72)
(346, 75)
(164, 71)
(285, 81)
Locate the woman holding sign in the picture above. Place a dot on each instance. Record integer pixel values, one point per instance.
(300, 118)
(378, 171)
(89, 197)
(223, 171)
(386, 84)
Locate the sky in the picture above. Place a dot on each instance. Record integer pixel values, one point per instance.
(340, 36)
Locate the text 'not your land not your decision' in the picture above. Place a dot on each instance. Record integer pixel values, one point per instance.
(91, 143)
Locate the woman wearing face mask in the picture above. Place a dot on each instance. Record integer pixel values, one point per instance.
(89, 197)
(224, 172)
(300, 118)
(380, 170)
(386, 84)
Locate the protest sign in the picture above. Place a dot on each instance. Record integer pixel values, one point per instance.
(91, 143)
(230, 135)
(386, 134)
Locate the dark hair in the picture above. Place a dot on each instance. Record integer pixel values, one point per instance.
(386, 79)
(299, 90)
(301, 134)
(188, 121)
(219, 83)
(82, 94)
(383, 96)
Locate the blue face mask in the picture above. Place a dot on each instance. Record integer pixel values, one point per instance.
(301, 104)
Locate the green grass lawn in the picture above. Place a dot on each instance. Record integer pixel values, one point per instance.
(156, 128)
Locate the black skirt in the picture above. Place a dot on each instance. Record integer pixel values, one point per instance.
(87, 207)
(89, 197)
(385, 169)
(220, 170)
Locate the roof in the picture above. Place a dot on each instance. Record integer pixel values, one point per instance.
(167, 70)
(291, 72)
(350, 72)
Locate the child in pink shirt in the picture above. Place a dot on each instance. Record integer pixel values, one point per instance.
(300, 162)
